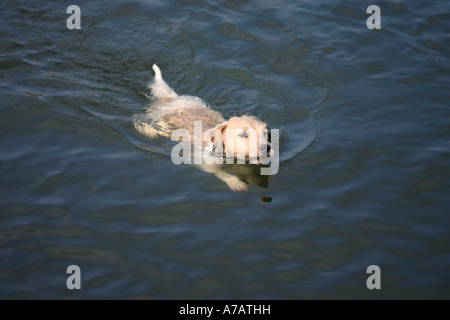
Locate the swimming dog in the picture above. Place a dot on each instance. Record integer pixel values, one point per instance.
(244, 138)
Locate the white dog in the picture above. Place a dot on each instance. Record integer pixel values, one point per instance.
(242, 138)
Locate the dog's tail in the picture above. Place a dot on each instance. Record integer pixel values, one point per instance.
(160, 89)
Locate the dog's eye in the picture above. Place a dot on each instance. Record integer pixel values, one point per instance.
(242, 133)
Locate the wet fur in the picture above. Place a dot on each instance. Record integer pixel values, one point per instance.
(170, 112)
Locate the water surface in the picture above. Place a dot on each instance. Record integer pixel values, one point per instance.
(363, 116)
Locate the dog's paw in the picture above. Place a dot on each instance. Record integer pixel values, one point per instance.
(236, 185)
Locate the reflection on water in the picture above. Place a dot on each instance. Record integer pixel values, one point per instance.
(239, 176)
(363, 123)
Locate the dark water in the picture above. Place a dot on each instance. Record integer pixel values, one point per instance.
(364, 180)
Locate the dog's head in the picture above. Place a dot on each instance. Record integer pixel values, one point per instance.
(242, 138)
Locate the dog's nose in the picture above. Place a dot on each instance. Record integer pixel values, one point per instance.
(265, 149)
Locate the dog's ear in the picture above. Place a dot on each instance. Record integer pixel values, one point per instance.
(217, 137)
(269, 136)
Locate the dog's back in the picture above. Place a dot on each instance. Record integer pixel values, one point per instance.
(171, 111)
